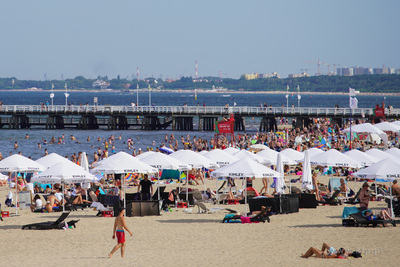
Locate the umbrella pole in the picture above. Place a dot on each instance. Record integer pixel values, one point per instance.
(16, 194)
(62, 187)
(187, 187)
(124, 193)
(391, 201)
(158, 186)
(245, 198)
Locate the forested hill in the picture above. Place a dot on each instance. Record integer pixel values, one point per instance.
(363, 83)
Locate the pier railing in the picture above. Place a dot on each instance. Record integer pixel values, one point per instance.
(191, 110)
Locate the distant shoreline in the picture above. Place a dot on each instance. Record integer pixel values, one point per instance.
(198, 91)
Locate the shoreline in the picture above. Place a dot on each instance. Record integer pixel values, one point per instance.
(198, 91)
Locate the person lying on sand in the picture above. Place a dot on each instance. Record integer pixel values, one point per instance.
(327, 252)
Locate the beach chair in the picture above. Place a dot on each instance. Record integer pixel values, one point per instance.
(354, 200)
(58, 224)
(203, 209)
(261, 217)
(360, 220)
(221, 188)
(332, 200)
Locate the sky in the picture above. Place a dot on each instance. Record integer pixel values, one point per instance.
(164, 38)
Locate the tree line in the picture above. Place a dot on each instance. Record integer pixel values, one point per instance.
(363, 83)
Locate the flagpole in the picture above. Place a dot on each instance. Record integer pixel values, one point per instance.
(287, 98)
(137, 94)
(149, 97)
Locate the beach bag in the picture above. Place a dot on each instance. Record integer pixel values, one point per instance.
(356, 254)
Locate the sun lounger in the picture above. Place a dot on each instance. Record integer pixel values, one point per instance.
(221, 188)
(332, 200)
(354, 200)
(58, 224)
(360, 220)
(203, 209)
(261, 217)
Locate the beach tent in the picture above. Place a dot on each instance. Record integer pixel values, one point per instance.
(145, 154)
(333, 158)
(246, 154)
(361, 157)
(293, 154)
(379, 154)
(245, 168)
(314, 151)
(388, 127)
(394, 152)
(64, 173)
(51, 159)
(306, 179)
(17, 163)
(220, 157)
(272, 156)
(231, 150)
(122, 163)
(395, 123)
(368, 128)
(386, 169)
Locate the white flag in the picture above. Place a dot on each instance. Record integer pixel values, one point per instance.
(234, 103)
(353, 92)
(353, 102)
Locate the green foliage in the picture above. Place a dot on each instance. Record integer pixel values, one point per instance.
(363, 83)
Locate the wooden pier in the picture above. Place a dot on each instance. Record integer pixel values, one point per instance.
(167, 117)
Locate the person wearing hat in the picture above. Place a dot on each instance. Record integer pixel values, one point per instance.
(119, 227)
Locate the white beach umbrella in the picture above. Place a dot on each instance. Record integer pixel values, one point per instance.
(245, 168)
(272, 156)
(246, 154)
(361, 157)
(293, 154)
(231, 150)
(85, 165)
(17, 163)
(195, 160)
(333, 158)
(162, 161)
(394, 152)
(306, 180)
(367, 128)
(314, 151)
(145, 154)
(220, 157)
(379, 154)
(397, 123)
(388, 127)
(3, 177)
(257, 147)
(387, 169)
(51, 159)
(280, 182)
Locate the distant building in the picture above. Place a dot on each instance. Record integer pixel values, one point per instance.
(251, 76)
(100, 83)
(298, 75)
(269, 75)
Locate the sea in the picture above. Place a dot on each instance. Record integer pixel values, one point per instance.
(147, 139)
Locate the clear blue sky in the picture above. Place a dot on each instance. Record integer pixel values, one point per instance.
(164, 38)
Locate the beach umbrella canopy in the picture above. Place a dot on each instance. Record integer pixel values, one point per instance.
(293, 154)
(367, 128)
(162, 161)
(3, 177)
(394, 152)
(246, 154)
(245, 168)
(388, 127)
(18, 163)
(145, 154)
(195, 160)
(122, 162)
(220, 157)
(333, 158)
(280, 182)
(272, 156)
(64, 172)
(361, 157)
(314, 151)
(231, 150)
(379, 154)
(84, 161)
(257, 147)
(51, 159)
(306, 180)
(387, 169)
(395, 123)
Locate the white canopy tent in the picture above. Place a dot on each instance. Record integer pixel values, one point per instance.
(246, 154)
(388, 127)
(145, 154)
(314, 151)
(394, 152)
(379, 154)
(231, 150)
(220, 157)
(272, 156)
(361, 157)
(17, 163)
(51, 159)
(293, 154)
(333, 158)
(64, 173)
(367, 128)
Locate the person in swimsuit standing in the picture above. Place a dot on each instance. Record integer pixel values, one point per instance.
(119, 226)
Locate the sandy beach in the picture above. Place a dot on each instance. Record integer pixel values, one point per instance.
(180, 239)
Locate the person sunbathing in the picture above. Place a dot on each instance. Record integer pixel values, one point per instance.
(383, 215)
(326, 252)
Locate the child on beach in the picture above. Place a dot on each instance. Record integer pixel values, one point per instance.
(119, 226)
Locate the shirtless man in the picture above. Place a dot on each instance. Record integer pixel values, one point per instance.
(396, 189)
(119, 226)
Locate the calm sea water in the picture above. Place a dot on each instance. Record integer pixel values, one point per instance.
(144, 139)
